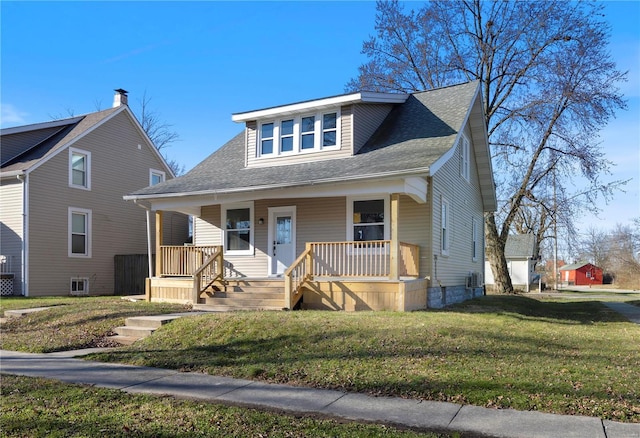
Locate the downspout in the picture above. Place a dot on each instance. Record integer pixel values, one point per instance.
(24, 268)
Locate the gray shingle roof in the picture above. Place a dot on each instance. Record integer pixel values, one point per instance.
(574, 266)
(412, 137)
(520, 246)
(27, 145)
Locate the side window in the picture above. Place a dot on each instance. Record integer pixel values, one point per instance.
(329, 129)
(445, 237)
(79, 169)
(266, 139)
(79, 232)
(474, 239)
(156, 177)
(465, 158)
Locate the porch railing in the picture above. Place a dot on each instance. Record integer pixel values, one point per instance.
(183, 261)
(370, 259)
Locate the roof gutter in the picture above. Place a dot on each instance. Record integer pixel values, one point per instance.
(424, 171)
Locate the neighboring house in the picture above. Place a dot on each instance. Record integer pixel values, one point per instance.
(580, 274)
(520, 253)
(62, 213)
(358, 201)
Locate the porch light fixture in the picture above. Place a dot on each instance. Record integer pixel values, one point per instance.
(260, 221)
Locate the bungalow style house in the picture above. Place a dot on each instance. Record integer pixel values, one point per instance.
(63, 217)
(580, 274)
(352, 202)
(522, 258)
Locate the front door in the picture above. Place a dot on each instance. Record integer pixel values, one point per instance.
(282, 239)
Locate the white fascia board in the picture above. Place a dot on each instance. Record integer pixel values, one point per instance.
(12, 174)
(319, 104)
(415, 187)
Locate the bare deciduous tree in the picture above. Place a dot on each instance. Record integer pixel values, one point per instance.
(548, 86)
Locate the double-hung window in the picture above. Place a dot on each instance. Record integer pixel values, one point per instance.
(299, 134)
(79, 169)
(308, 132)
(79, 232)
(445, 236)
(238, 229)
(465, 158)
(474, 239)
(368, 219)
(329, 129)
(266, 139)
(286, 136)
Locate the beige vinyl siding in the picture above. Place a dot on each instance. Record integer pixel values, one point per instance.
(414, 228)
(317, 220)
(12, 232)
(465, 203)
(344, 151)
(118, 166)
(366, 119)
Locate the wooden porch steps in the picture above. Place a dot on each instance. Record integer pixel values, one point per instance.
(245, 294)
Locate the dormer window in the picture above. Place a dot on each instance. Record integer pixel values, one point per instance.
(299, 134)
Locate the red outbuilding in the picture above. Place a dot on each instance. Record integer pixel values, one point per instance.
(581, 274)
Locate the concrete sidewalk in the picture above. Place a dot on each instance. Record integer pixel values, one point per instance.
(434, 416)
(629, 311)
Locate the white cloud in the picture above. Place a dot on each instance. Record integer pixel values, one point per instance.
(10, 115)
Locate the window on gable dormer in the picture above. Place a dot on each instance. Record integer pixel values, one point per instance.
(286, 136)
(329, 129)
(266, 142)
(299, 134)
(307, 132)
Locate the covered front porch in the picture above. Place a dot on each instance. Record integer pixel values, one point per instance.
(382, 274)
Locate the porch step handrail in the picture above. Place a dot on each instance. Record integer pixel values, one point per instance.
(209, 272)
(296, 275)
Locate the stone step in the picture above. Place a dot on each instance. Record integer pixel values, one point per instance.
(139, 332)
(124, 340)
(155, 321)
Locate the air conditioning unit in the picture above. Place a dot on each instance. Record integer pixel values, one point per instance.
(473, 280)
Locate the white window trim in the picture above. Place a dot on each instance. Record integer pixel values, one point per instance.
(297, 134)
(387, 215)
(153, 172)
(88, 214)
(87, 155)
(474, 239)
(445, 237)
(223, 227)
(85, 282)
(465, 158)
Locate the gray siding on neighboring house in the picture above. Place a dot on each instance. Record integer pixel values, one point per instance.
(11, 223)
(118, 166)
(465, 203)
(367, 118)
(345, 150)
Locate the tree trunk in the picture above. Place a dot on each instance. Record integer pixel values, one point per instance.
(495, 253)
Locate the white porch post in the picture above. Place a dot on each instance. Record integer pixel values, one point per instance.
(395, 243)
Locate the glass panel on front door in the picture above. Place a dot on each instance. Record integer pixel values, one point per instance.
(283, 230)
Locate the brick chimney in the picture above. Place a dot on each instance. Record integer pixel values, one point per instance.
(120, 98)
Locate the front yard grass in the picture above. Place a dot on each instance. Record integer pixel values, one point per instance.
(572, 357)
(43, 408)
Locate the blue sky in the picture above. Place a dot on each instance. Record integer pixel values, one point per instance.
(199, 62)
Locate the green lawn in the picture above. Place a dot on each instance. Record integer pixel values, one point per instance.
(43, 408)
(567, 357)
